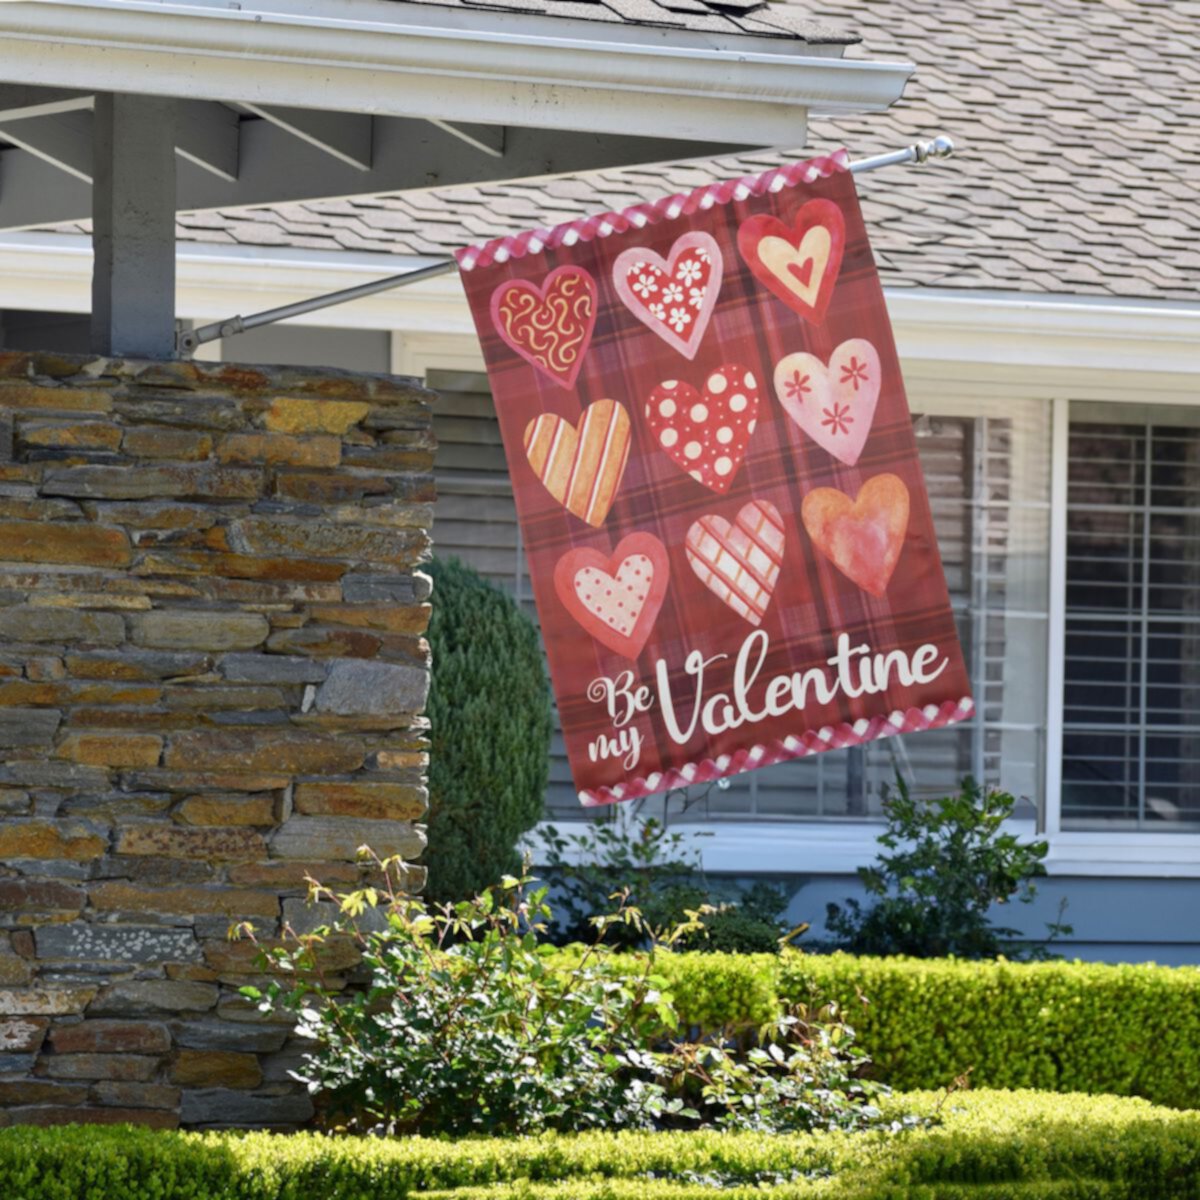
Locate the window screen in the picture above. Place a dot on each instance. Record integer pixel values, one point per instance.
(1131, 720)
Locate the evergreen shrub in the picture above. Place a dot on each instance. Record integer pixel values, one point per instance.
(490, 727)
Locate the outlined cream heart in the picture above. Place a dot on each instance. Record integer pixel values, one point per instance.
(798, 263)
(799, 268)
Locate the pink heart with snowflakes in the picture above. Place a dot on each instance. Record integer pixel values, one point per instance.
(833, 404)
(673, 297)
(706, 433)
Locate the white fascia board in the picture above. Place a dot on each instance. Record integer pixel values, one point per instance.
(1022, 330)
(1016, 335)
(947, 330)
(373, 56)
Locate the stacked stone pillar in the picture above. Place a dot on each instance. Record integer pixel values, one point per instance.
(211, 674)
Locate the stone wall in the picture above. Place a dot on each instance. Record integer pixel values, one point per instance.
(211, 663)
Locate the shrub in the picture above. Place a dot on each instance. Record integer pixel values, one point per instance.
(469, 1023)
(490, 727)
(664, 880)
(1064, 1027)
(976, 1146)
(1067, 1027)
(950, 862)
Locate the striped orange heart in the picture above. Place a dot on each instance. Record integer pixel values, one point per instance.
(739, 563)
(581, 468)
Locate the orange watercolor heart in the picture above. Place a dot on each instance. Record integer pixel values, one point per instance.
(862, 537)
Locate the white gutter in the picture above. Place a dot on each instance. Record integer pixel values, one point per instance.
(1002, 331)
(381, 57)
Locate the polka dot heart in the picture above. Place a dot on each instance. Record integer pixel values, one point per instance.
(706, 433)
(616, 600)
(616, 597)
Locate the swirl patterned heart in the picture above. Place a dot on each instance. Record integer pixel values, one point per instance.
(549, 326)
(616, 599)
(673, 297)
(706, 433)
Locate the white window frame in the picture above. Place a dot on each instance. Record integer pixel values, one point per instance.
(1097, 852)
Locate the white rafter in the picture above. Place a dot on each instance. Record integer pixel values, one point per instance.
(487, 139)
(344, 136)
(206, 134)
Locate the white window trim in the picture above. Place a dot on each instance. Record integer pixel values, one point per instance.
(1057, 624)
(816, 847)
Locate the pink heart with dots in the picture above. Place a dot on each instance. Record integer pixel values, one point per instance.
(706, 433)
(616, 599)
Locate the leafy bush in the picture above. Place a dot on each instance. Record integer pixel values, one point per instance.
(974, 1146)
(490, 727)
(951, 861)
(664, 880)
(1064, 1027)
(469, 1024)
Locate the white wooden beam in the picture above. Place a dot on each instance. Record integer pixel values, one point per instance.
(64, 140)
(344, 136)
(206, 134)
(488, 139)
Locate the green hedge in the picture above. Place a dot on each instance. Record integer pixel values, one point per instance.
(986, 1144)
(1058, 1026)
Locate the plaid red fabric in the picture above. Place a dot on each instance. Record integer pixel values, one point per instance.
(715, 473)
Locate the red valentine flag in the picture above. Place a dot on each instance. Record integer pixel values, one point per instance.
(717, 482)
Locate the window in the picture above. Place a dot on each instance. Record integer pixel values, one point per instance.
(987, 466)
(1131, 711)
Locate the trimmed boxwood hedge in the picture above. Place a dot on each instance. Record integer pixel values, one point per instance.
(986, 1144)
(1058, 1026)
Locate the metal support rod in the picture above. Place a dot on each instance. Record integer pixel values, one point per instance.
(189, 339)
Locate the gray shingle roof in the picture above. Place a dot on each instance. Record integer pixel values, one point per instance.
(760, 18)
(1077, 171)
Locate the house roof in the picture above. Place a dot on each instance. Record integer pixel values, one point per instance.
(1077, 169)
(759, 18)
